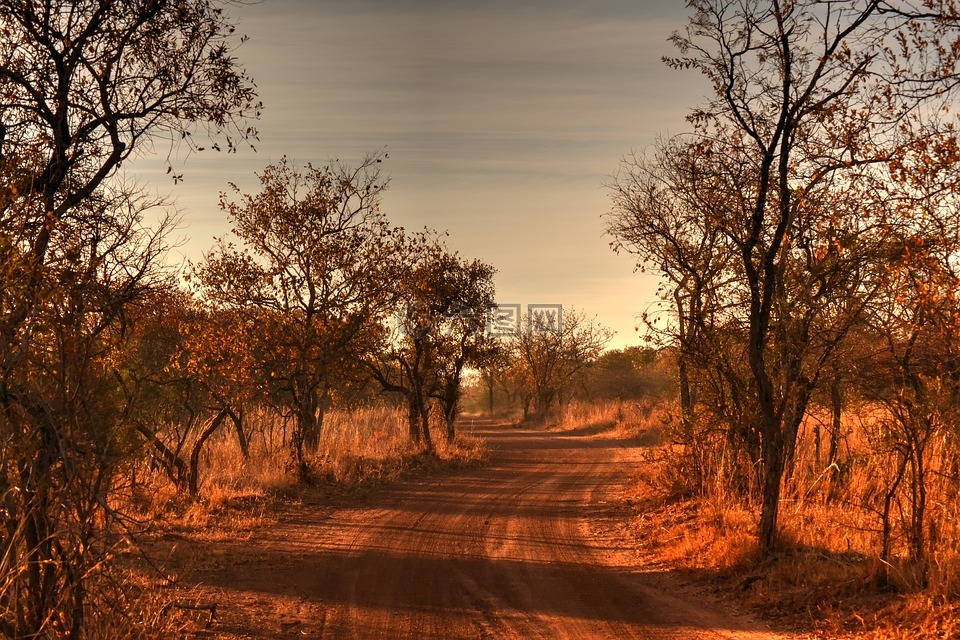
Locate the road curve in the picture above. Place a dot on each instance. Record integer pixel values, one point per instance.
(520, 548)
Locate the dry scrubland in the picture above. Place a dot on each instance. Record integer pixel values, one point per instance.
(806, 231)
(171, 534)
(826, 574)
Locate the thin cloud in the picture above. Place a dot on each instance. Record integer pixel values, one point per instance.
(502, 119)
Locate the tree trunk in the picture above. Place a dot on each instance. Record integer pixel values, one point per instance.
(791, 425)
(304, 425)
(918, 494)
(237, 418)
(312, 423)
(39, 526)
(686, 397)
(490, 386)
(771, 426)
(413, 417)
(172, 464)
(836, 402)
(79, 592)
(543, 405)
(887, 527)
(450, 411)
(817, 445)
(425, 423)
(773, 467)
(451, 407)
(194, 482)
(450, 416)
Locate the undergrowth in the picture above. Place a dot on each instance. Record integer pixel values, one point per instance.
(826, 574)
(167, 534)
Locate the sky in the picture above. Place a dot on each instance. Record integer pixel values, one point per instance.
(502, 120)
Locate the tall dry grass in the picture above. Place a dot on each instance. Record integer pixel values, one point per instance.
(358, 446)
(828, 571)
(167, 531)
(641, 419)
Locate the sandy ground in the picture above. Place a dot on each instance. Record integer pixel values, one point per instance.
(523, 547)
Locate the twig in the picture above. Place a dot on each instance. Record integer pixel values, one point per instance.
(194, 606)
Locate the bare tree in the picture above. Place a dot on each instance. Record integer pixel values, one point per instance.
(808, 95)
(665, 207)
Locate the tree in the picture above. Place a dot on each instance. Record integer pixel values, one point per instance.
(550, 353)
(681, 209)
(315, 271)
(465, 292)
(443, 302)
(84, 85)
(664, 207)
(492, 369)
(69, 418)
(910, 345)
(463, 344)
(631, 373)
(195, 369)
(809, 96)
(216, 354)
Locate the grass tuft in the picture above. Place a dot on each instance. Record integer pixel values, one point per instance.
(827, 573)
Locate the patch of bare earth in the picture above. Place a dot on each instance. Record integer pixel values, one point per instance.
(531, 545)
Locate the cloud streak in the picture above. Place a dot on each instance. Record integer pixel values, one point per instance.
(502, 119)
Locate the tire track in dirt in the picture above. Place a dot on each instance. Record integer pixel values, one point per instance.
(521, 548)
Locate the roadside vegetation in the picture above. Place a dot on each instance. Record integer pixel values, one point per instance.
(806, 231)
(134, 394)
(797, 400)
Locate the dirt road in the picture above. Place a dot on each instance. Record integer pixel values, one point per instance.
(524, 547)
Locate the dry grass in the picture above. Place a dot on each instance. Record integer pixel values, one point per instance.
(171, 534)
(370, 446)
(638, 420)
(827, 573)
(138, 610)
(364, 446)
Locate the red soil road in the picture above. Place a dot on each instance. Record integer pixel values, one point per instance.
(523, 547)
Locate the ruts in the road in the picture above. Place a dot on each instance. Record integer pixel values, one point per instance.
(522, 547)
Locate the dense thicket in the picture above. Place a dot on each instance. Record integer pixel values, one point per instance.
(807, 231)
(84, 85)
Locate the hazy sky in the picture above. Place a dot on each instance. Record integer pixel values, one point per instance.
(502, 120)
